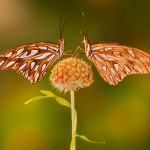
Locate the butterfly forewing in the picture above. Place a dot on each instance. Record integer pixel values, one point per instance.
(114, 61)
(31, 60)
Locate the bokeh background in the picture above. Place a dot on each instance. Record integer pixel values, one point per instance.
(118, 115)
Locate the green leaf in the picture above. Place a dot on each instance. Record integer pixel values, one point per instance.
(62, 101)
(87, 140)
(48, 93)
(35, 99)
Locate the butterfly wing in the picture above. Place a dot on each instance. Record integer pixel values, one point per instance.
(31, 60)
(114, 61)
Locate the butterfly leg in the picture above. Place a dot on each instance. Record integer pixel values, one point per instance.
(82, 44)
(75, 57)
(77, 50)
(65, 53)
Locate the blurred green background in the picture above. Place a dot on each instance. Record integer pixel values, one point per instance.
(118, 115)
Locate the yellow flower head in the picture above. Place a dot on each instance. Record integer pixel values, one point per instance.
(71, 74)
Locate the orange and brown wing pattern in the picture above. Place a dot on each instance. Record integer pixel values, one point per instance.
(114, 61)
(31, 60)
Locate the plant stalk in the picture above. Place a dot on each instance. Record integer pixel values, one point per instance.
(73, 116)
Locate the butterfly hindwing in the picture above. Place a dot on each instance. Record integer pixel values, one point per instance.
(114, 61)
(31, 60)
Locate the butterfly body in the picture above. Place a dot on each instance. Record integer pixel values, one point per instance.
(114, 61)
(88, 50)
(32, 60)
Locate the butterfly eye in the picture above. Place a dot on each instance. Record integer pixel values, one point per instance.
(64, 42)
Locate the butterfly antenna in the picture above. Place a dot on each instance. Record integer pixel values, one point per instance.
(60, 24)
(83, 33)
(63, 26)
(85, 23)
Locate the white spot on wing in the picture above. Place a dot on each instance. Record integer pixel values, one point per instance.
(22, 66)
(110, 59)
(117, 54)
(112, 70)
(20, 51)
(32, 65)
(138, 69)
(37, 66)
(111, 78)
(53, 48)
(24, 55)
(51, 57)
(8, 55)
(33, 52)
(116, 67)
(148, 68)
(97, 58)
(106, 58)
(43, 67)
(131, 53)
(43, 56)
(104, 68)
(96, 48)
(26, 75)
(43, 47)
(36, 77)
(108, 48)
(103, 55)
(141, 58)
(10, 64)
(127, 68)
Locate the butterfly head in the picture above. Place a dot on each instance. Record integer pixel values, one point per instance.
(87, 44)
(61, 40)
(86, 41)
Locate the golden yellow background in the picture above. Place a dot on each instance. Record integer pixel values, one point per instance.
(118, 115)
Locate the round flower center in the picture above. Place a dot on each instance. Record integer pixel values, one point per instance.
(71, 73)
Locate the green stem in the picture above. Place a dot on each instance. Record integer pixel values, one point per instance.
(73, 116)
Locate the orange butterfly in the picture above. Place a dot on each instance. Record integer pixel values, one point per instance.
(114, 61)
(33, 60)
